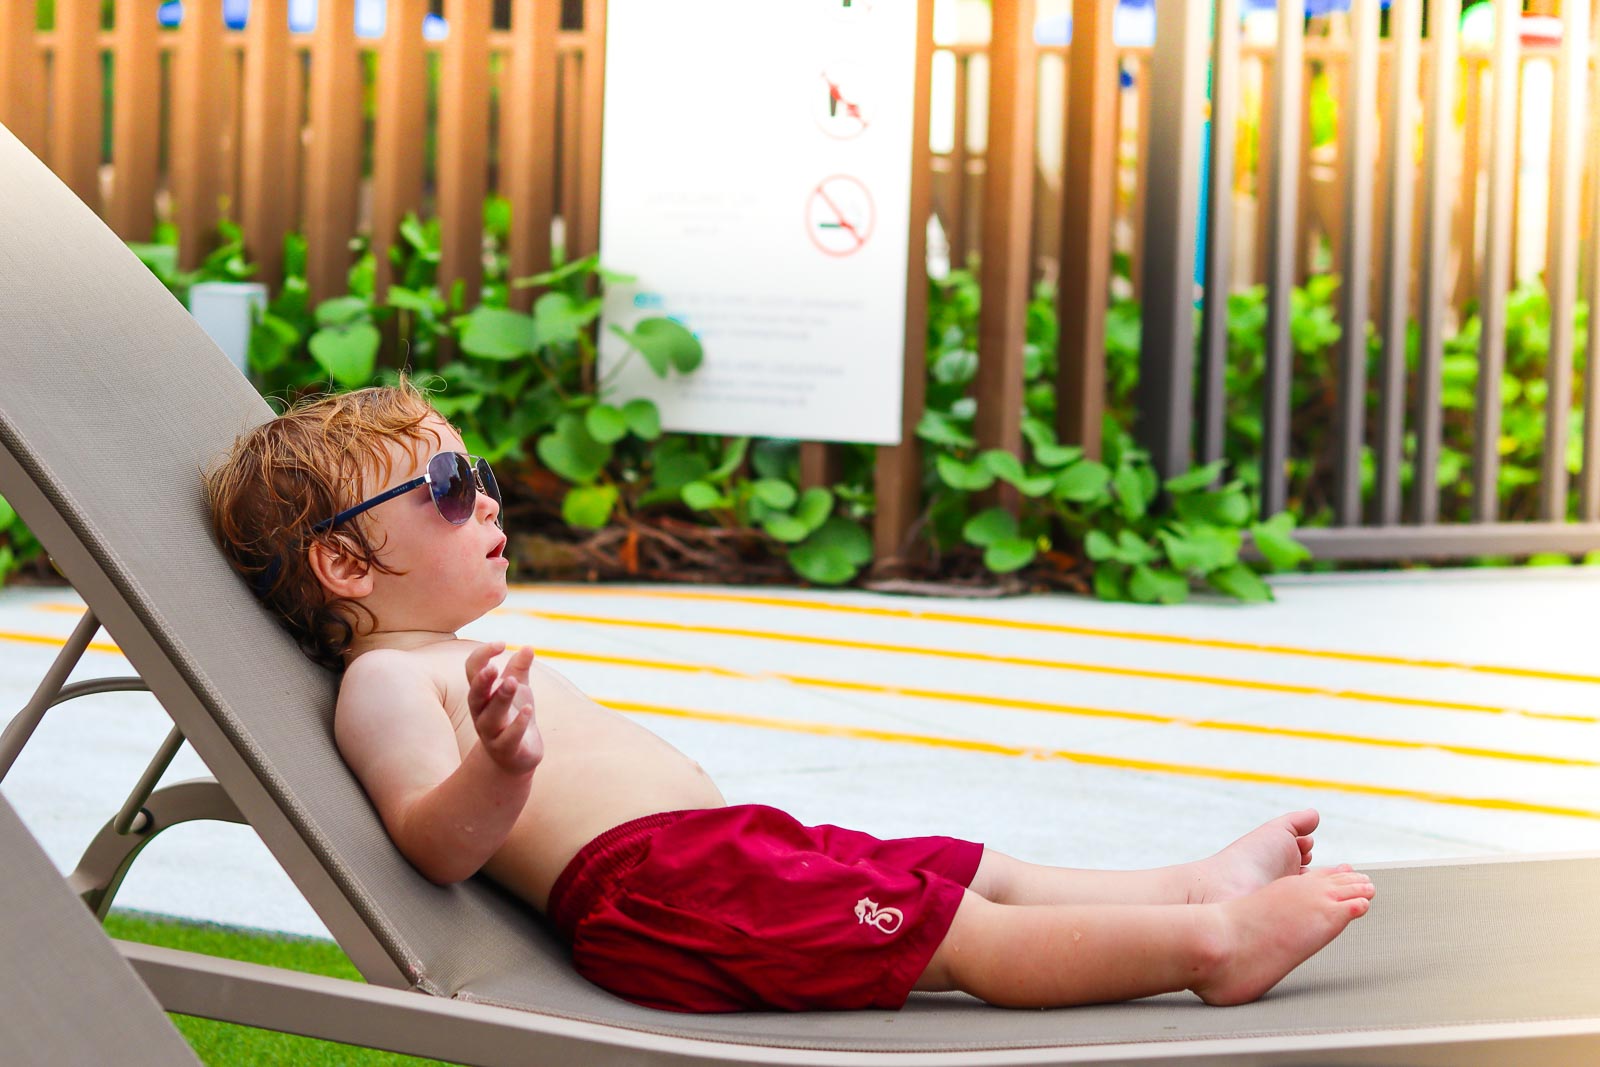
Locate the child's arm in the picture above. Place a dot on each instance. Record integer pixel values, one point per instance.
(447, 814)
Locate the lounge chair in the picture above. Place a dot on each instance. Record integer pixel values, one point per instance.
(112, 400)
(65, 995)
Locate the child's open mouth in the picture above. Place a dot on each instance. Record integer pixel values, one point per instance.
(499, 550)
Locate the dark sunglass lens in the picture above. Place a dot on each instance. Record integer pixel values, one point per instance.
(453, 491)
(490, 486)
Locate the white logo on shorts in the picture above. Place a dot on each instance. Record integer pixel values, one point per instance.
(887, 920)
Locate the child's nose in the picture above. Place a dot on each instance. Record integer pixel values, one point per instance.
(491, 508)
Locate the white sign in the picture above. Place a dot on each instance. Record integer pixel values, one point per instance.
(757, 183)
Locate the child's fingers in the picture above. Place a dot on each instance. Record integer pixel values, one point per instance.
(479, 657)
(519, 663)
(482, 687)
(493, 714)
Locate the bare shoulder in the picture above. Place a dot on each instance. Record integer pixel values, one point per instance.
(376, 678)
(391, 726)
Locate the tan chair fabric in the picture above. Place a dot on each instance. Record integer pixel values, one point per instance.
(66, 996)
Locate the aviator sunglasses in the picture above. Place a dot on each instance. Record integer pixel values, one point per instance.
(453, 480)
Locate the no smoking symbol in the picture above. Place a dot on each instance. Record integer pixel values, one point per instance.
(839, 215)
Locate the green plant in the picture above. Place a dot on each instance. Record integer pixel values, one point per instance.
(18, 546)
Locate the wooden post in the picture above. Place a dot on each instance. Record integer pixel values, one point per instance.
(75, 114)
(583, 227)
(528, 139)
(464, 146)
(1007, 229)
(21, 74)
(400, 132)
(196, 144)
(270, 135)
(334, 159)
(898, 473)
(1088, 191)
(134, 124)
(956, 232)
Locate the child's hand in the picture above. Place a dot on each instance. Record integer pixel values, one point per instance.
(503, 714)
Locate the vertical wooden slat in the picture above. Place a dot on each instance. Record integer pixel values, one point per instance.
(334, 159)
(135, 125)
(1088, 190)
(294, 106)
(821, 464)
(1466, 240)
(75, 92)
(1433, 299)
(592, 112)
(463, 145)
(1589, 481)
(1561, 270)
(1496, 263)
(400, 130)
(196, 142)
(1305, 208)
(1400, 163)
(21, 74)
(1166, 352)
(1266, 121)
(1281, 258)
(1380, 189)
(1213, 398)
(528, 139)
(956, 231)
(1139, 210)
(268, 128)
(898, 468)
(1007, 228)
(1359, 127)
(570, 120)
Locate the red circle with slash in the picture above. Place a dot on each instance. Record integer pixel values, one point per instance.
(839, 215)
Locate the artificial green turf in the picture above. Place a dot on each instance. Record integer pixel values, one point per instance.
(229, 1045)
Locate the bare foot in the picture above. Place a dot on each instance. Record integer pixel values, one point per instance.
(1272, 931)
(1267, 853)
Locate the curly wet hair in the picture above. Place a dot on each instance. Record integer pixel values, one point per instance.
(289, 473)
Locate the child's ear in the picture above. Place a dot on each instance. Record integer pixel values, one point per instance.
(341, 572)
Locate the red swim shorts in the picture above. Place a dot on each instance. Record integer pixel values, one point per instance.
(744, 909)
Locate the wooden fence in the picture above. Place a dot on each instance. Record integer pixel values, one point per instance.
(268, 121)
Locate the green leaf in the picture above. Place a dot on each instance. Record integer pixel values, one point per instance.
(989, 526)
(1276, 543)
(701, 496)
(1242, 583)
(589, 506)
(1009, 554)
(557, 319)
(347, 355)
(1098, 546)
(342, 311)
(1111, 581)
(1083, 481)
(559, 274)
(674, 470)
(833, 554)
(816, 504)
(605, 423)
(1150, 585)
(8, 514)
(732, 455)
(786, 528)
(1130, 487)
(498, 334)
(664, 344)
(571, 451)
(1229, 506)
(1056, 455)
(1004, 465)
(1133, 549)
(940, 429)
(1200, 549)
(643, 418)
(774, 493)
(974, 476)
(1197, 478)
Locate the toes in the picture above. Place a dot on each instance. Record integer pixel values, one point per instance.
(1304, 821)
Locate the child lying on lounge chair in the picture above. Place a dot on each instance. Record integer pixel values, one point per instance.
(360, 519)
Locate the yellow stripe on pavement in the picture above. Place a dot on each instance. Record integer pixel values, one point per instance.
(1063, 628)
(1093, 760)
(1052, 664)
(56, 642)
(1085, 711)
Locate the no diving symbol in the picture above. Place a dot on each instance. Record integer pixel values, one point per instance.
(839, 215)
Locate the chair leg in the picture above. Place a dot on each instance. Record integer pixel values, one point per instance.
(106, 861)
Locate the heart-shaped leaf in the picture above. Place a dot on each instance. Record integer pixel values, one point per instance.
(589, 506)
(347, 355)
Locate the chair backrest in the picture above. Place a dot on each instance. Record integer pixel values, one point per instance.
(66, 995)
(112, 400)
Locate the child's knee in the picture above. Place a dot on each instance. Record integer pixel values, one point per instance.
(995, 876)
(961, 948)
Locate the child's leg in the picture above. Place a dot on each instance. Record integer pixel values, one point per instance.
(1228, 953)
(1275, 849)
